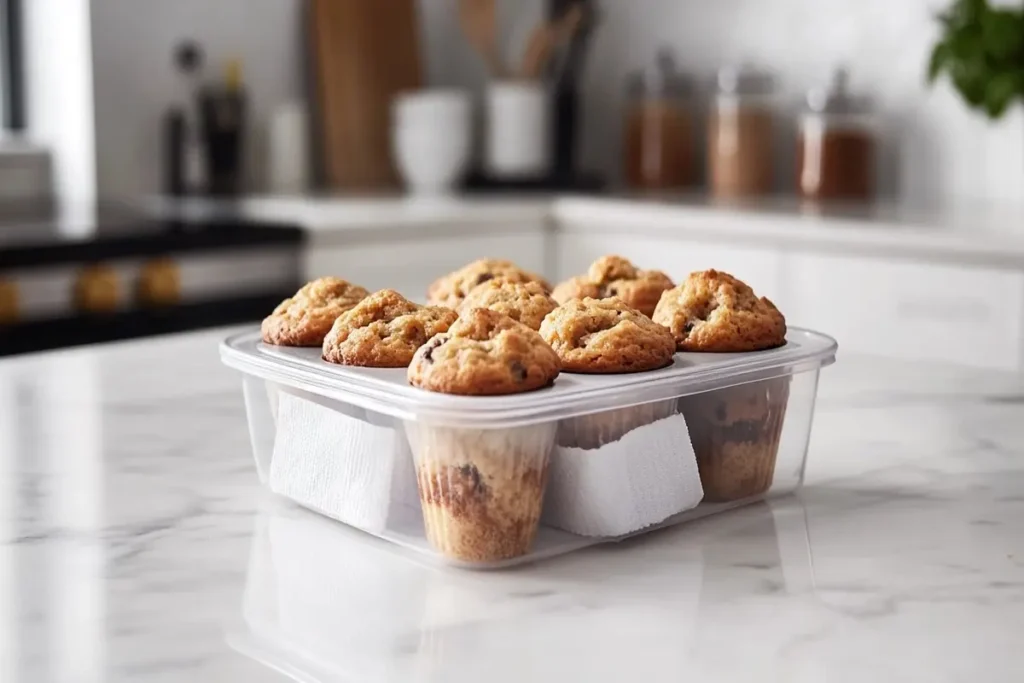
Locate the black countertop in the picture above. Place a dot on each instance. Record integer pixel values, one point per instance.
(37, 238)
(36, 235)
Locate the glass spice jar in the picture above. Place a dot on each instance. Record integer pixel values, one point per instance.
(741, 134)
(836, 144)
(658, 146)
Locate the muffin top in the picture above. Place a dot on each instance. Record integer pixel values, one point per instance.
(525, 302)
(306, 318)
(383, 331)
(451, 289)
(713, 311)
(606, 336)
(614, 276)
(484, 353)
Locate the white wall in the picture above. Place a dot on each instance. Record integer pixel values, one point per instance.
(135, 81)
(936, 148)
(59, 93)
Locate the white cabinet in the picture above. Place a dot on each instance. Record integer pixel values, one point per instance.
(410, 265)
(761, 268)
(911, 310)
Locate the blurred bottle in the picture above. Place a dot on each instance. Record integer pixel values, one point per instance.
(223, 109)
(659, 144)
(184, 161)
(740, 134)
(836, 144)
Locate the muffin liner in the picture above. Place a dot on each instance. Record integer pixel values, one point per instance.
(482, 491)
(351, 466)
(648, 474)
(735, 434)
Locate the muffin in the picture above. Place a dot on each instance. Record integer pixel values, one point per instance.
(482, 490)
(484, 353)
(306, 318)
(526, 302)
(614, 276)
(714, 312)
(735, 431)
(8, 301)
(159, 283)
(451, 289)
(383, 331)
(606, 336)
(97, 289)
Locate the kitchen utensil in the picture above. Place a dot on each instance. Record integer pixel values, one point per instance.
(480, 26)
(365, 53)
(547, 37)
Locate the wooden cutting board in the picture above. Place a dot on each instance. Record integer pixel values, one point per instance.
(364, 53)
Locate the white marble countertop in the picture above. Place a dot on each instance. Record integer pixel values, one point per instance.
(136, 545)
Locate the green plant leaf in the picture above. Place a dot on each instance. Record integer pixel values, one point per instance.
(939, 59)
(981, 49)
(1002, 33)
(970, 79)
(1000, 92)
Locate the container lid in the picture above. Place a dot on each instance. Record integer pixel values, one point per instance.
(836, 97)
(745, 79)
(661, 78)
(387, 391)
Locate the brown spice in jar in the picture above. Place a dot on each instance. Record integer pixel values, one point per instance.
(835, 164)
(659, 148)
(740, 151)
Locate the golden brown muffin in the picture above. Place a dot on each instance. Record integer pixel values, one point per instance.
(451, 289)
(306, 318)
(159, 283)
(713, 311)
(481, 490)
(97, 289)
(614, 276)
(527, 302)
(383, 331)
(8, 301)
(735, 434)
(606, 336)
(484, 353)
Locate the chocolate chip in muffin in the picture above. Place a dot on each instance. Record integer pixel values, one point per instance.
(432, 345)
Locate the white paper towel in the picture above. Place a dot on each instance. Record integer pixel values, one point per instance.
(350, 466)
(642, 479)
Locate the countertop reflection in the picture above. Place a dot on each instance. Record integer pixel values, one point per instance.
(137, 545)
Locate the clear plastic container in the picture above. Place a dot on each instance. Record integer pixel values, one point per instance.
(495, 481)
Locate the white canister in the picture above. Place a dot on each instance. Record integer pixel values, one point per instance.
(288, 150)
(431, 138)
(517, 130)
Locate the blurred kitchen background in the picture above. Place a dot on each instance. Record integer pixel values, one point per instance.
(173, 165)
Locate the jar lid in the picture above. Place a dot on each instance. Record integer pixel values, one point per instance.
(745, 79)
(661, 78)
(836, 97)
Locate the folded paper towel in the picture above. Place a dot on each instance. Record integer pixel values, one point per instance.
(642, 479)
(342, 464)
